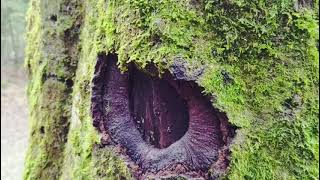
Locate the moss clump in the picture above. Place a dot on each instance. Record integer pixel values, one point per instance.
(51, 66)
(48, 133)
(83, 158)
(107, 165)
(261, 65)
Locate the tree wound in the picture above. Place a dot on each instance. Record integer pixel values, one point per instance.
(166, 126)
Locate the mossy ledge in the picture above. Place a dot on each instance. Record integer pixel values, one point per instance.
(259, 60)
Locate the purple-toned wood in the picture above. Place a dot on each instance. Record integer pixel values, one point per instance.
(164, 125)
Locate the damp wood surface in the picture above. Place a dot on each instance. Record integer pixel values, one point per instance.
(161, 123)
(254, 63)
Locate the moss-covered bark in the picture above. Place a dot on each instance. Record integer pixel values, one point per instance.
(261, 65)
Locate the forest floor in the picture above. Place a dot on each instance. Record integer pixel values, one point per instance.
(14, 122)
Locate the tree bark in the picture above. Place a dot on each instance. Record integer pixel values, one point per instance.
(139, 89)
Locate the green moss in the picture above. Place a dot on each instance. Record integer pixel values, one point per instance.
(108, 165)
(83, 159)
(269, 51)
(50, 71)
(47, 136)
(261, 65)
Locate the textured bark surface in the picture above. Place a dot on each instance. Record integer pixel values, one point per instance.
(128, 89)
(163, 110)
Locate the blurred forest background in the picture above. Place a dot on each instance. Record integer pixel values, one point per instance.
(14, 123)
(13, 14)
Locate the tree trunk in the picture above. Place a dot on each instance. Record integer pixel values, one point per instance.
(139, 89)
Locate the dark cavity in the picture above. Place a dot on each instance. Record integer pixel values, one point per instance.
(163, 123)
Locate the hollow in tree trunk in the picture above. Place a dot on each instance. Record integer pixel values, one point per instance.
(138, 89)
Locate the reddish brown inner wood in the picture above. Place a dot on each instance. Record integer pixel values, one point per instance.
(159, 113)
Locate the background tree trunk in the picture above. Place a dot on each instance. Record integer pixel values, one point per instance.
(257, 60)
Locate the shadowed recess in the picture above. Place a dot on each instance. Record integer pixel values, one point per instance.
(164, 124)
(158, 111)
